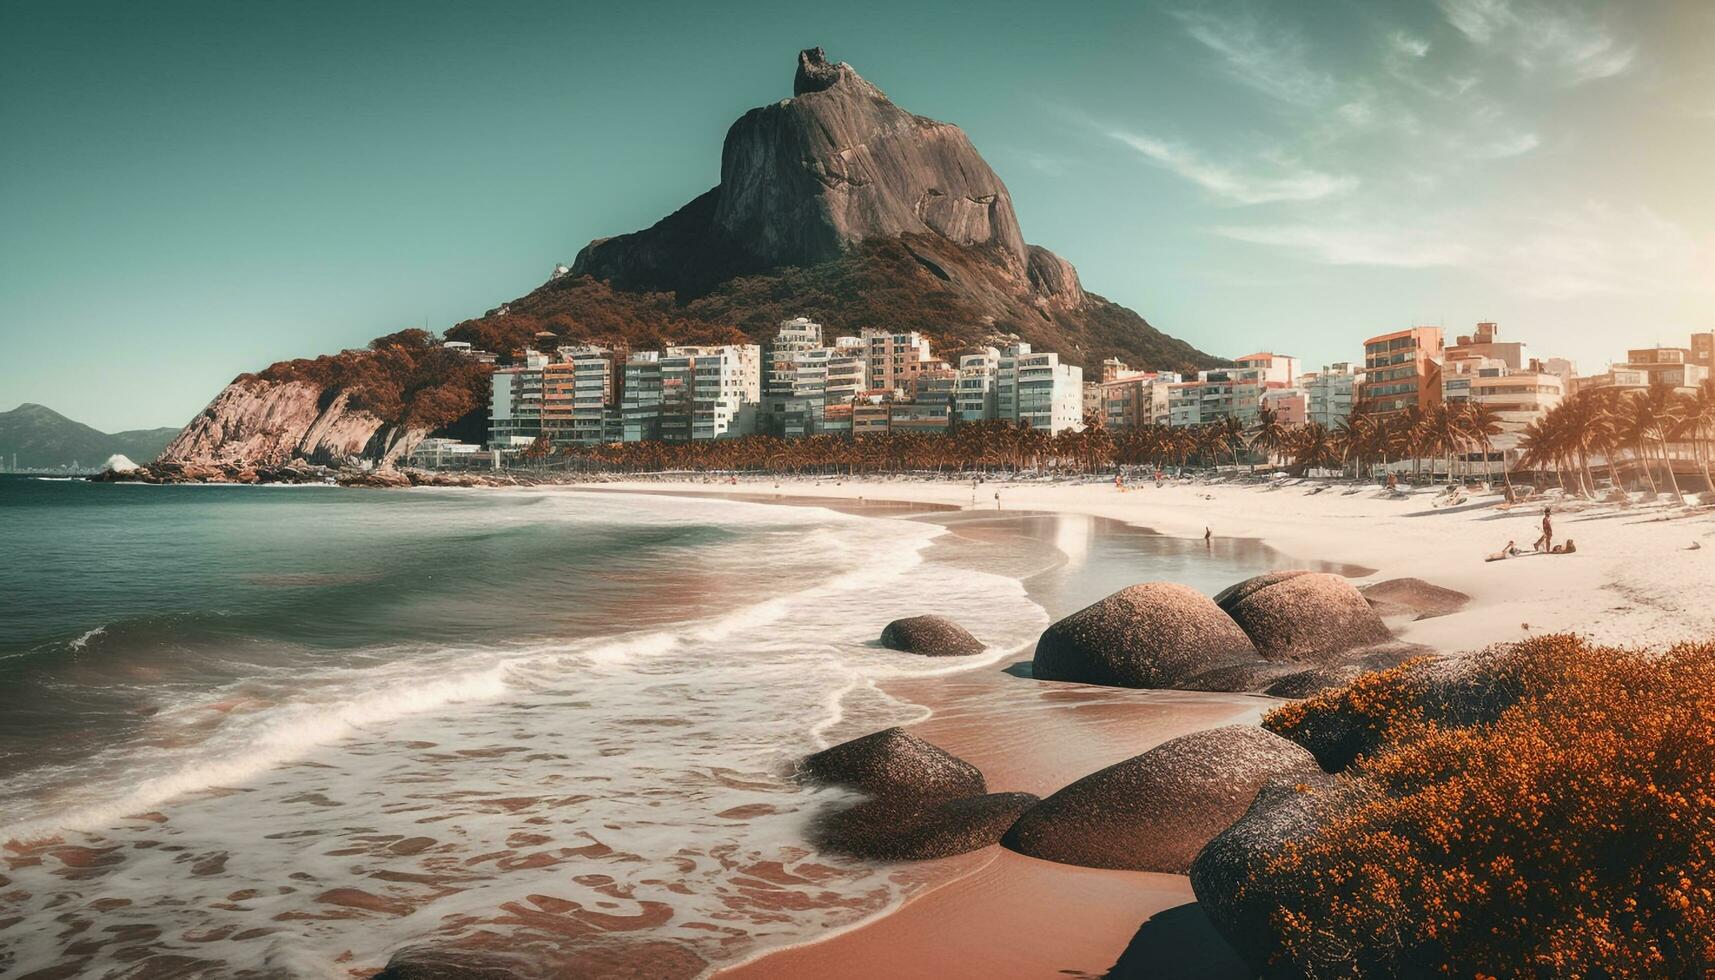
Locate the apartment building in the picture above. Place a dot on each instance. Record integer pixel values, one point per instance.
(1402, 370)
(1330, 393)
(577, 394)
(1033, 388)
(1675, 367)
(978, 374)
(515, 403)
(640, 400)
(896, 358)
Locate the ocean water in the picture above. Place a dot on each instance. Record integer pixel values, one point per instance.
(286, 731)
(252, 731)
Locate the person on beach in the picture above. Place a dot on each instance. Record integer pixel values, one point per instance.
(1508, 552)
(1208, 536)
(1546, 542)
(1564, 549)
(997, 500)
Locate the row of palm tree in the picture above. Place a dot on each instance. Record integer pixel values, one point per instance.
(1629, 432)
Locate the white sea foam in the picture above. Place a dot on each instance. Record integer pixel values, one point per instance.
(83, 641)
(649, 744)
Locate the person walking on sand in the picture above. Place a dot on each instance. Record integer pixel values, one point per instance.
(1546, 542)
(997, 500)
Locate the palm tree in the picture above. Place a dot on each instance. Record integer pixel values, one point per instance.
(1482, 423)
(1268, 434)
(1700, 420)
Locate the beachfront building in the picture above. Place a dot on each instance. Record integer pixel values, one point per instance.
(979, 372)
(808, 386)
(1268, 369)
(1485, 342)
(578, 395)
(1128, 399)
(640, 398)
(1671, 366)
(1402, 370)
(1289, 405)
(896, 358)
(1517, 396)
(515, 403)
(1330, 393)
(436, 452)
(1033, 388)
(1703, 350)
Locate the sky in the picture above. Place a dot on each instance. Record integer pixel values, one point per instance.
(190, 190)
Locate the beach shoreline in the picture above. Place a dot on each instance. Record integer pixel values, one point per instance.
(1013, 915)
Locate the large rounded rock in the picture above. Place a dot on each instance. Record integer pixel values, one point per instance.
(1251, 674)
(930, 636)
(1230, 876)
(1233, 594)
(1413, 597)
(1307, 616)
(1157, 634)
(452, 963)
(896, 763)
(1155, 811)
(916, 829)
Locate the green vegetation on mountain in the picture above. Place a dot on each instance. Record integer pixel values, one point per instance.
(40, 437)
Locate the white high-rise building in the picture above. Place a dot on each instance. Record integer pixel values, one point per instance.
(515, 403)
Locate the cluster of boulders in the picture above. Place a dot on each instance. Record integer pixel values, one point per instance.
(1286, 633)
(919, 802)
(297, 471)
(1231, 875)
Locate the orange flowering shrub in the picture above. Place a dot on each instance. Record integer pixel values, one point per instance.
(1571, 836)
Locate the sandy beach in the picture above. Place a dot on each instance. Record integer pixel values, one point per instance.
(997, 913)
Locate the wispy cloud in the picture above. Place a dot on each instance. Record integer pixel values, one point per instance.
(1292, 183)
(1355, 243)
(1271, 58)
(1405, 44)
(1595, 249)
(1539, 37)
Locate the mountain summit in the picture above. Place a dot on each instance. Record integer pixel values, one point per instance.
(806, 178)
(839, 205)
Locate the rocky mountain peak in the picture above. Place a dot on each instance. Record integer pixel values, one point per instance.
(816, 73)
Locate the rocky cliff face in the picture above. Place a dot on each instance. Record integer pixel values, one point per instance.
(253, 422)
(805, 179)
(820, 197)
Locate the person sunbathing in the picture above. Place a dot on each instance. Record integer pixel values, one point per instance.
(1509, 551)
(1564, 549)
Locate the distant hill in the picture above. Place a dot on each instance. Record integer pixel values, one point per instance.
(41, 437)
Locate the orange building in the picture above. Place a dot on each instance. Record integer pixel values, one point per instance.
(1402, 369)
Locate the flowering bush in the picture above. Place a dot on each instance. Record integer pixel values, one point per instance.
(1572, 835)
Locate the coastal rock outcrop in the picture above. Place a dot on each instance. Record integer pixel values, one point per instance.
(258, 423)
(923, 802)
(930, 636)
(1230, 874)
(1414, 598)
(1155, 811)
(1154, 635)
(896, 828)
(1304, 615)
(450, 963)
(895, 763)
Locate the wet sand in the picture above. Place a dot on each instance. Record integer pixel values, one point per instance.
(1000, 914)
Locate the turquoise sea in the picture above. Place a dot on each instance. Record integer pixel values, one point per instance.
(286, 731)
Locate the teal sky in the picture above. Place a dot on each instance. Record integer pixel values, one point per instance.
(188, 191)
